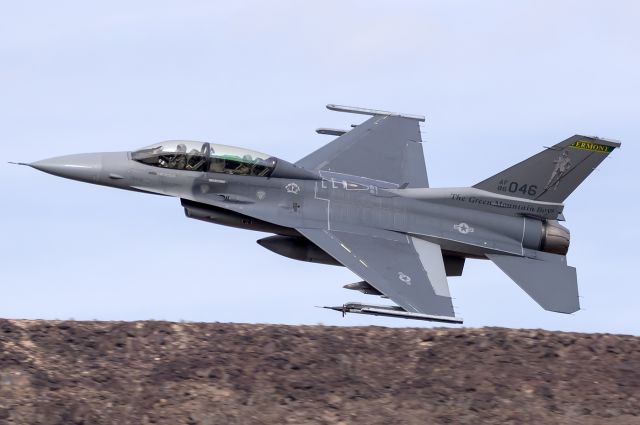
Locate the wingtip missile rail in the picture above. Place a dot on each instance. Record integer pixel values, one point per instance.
(373, 112)
(391, 311)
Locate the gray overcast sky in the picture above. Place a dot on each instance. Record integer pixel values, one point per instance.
(497, 80)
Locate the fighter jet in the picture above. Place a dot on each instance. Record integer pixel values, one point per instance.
(363, 201)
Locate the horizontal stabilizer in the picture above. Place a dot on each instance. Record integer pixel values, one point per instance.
(547, 279)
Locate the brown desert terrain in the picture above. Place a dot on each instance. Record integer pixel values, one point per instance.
(69, 372)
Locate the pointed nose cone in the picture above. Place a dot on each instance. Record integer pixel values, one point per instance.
(85, 167)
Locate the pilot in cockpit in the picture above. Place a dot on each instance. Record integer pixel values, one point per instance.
(179, 160)
(196, 159)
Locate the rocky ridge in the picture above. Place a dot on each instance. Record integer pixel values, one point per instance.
(69, 372)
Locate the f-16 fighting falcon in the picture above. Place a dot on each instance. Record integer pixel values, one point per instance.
(363, 201)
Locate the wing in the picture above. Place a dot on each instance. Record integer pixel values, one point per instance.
(409, 271)
(385, 147)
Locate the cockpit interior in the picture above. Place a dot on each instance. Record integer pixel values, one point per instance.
(209, 157)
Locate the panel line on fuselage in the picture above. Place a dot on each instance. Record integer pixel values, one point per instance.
(315, 195)
(356, 178)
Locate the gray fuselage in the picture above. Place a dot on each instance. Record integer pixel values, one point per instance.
(336, 202)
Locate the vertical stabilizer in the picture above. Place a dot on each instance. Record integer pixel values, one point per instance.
(553, 174)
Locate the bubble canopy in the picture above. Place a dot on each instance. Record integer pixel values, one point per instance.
(201, 156)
